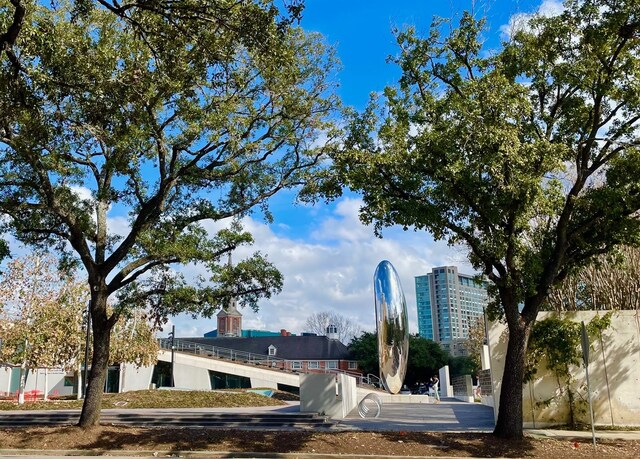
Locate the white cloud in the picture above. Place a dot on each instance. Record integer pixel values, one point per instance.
(519, 21)
(333, 270)
(328, 268)
(82, 192)
(116, 225)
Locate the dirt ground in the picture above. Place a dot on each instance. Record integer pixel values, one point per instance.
(176, 440)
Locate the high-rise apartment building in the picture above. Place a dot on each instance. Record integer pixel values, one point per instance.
(448, 304)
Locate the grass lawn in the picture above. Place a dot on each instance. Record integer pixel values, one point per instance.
(162, 399)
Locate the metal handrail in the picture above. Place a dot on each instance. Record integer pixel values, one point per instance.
(270, 361)
(372, 380)
(207, 350)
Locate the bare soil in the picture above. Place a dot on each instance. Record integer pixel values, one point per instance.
(375, 444)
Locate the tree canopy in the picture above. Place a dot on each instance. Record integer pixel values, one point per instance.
(43, 321)
(527, 154)
(126, 127)
(425, 357)
(40, 316)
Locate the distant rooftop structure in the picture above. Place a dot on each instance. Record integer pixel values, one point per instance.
(284, 347)
(229, 318)
(252, 333)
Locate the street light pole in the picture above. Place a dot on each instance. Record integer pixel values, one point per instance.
(86, 351)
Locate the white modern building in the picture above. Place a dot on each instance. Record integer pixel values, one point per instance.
(448, 303)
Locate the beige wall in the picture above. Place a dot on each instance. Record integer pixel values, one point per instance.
(614, 373)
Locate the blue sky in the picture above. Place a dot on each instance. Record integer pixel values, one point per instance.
(326, 255)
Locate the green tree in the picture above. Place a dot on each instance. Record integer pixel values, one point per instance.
(40, 316)
(133, 340)
(475, 341)
(425, 359)
(174, 114)
(364, 349)
(425, 356)
(462, 365)
(527, 155)
(43, 321)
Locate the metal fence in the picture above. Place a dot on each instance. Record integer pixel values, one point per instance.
(269, 361)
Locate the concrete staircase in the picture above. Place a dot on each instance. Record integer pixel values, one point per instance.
(151, 418)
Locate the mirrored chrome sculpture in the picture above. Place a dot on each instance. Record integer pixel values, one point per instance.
(392, 324)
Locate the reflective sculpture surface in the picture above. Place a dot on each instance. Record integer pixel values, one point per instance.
(392, 324)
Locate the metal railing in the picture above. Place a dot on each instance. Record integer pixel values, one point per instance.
(372, 380)
(269, 361)
(206, 350)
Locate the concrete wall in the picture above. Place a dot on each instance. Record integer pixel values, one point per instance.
(348, 391)
(463, 388)
(332, 395)
(192, 372)
(134, 378)
(444, 385)
(614, 373)
(50, 381)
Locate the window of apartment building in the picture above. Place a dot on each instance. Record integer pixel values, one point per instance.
(331, 364)
(353, 365)
(272, 350)
(314, 365)
(296, 365)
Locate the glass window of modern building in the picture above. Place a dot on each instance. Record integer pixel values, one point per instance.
(448, 303)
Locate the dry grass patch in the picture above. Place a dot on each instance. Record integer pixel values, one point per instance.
(158, 399)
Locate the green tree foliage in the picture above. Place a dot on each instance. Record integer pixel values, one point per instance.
(172, 113)
(527, 155)
(556, 343)
(475, 341)
(425, 357)
(133, 340)
(40, 316)
(365, 350)
(462, 365)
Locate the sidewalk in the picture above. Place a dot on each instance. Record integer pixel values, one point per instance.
(575, 434)
(449, 416)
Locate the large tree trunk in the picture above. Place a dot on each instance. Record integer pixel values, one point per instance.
(101, 328)
(509, 423)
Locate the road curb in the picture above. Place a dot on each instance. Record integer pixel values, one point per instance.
(578, 434)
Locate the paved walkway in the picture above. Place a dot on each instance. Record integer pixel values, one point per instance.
(448, 416)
